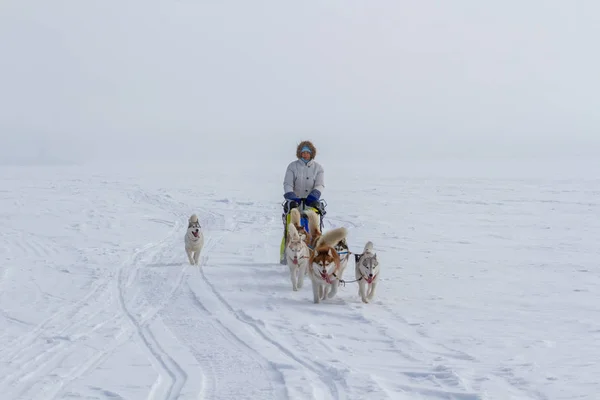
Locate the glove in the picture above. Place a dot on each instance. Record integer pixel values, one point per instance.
(291, 196)
(314, 196)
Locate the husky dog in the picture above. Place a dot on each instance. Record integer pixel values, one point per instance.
(324, 265)
(194, 240)
(297, 254)
(367, 272)
(293, 217)
(295, 220)
(314, 228)
(341, 247)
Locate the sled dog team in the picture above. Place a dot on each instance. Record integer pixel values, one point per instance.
(323, 256)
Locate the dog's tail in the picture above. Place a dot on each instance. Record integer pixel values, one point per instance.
(332, 237)
(194, 218)
(314, 224)
(295, 216)
(368, 247)
(293, 232)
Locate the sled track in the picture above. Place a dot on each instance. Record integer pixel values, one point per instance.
(130, 326)
(223, 317)
(270, 368)
(320, 372)
(207, 387)
(172, 377)
(191, 304)
(170, 388)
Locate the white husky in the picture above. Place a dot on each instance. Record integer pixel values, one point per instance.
(194, 240)
(367, 272)
(297, 254)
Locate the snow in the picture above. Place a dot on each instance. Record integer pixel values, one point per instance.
(488, 289)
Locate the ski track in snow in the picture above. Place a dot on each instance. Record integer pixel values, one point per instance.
(110, 282)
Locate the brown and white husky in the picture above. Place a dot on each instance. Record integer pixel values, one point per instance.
(324, 267)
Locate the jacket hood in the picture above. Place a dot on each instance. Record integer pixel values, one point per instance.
(311, 146)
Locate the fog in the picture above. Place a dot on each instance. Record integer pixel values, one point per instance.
(165, 80)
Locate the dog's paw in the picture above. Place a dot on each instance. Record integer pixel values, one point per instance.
(365, 300)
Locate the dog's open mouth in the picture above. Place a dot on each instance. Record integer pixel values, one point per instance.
(325, 277)
(295, 260)
(195, 233)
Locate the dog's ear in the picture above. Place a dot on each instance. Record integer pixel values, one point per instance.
(357, 257)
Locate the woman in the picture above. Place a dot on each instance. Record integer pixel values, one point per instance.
(304, 181)
(304, 178)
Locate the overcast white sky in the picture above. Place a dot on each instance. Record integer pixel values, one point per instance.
(417, 78)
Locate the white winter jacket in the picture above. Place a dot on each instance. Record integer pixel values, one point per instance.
(302, 178)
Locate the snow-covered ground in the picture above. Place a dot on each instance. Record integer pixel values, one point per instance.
(489, 286)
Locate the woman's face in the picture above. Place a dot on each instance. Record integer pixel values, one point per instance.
(305, 155)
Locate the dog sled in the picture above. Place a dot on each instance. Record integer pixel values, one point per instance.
(302, 207)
